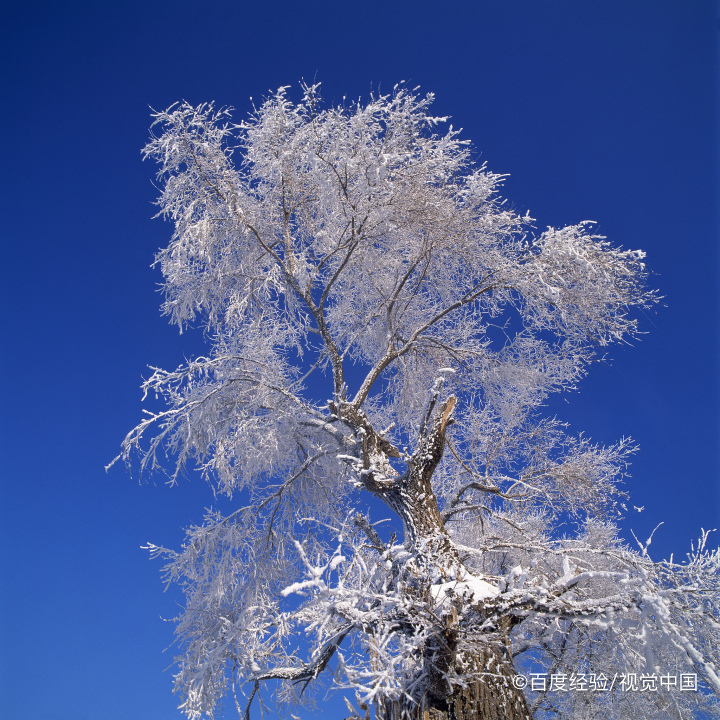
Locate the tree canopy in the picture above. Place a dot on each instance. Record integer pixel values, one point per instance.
(381, 324)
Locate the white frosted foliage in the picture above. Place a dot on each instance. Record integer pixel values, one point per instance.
(383, 332)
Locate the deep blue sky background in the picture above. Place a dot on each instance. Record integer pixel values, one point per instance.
(601, 109)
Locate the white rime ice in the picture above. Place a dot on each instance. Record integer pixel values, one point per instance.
(380, 323)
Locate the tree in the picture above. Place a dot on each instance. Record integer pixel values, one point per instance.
(384, 332)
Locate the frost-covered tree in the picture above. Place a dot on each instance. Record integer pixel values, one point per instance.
(383, 334)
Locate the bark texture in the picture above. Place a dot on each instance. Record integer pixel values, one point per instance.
(492, 697)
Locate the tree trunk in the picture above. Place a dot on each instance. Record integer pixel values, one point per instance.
(493, 696)
(490, 693)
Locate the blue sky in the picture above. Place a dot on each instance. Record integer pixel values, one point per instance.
(597, 110)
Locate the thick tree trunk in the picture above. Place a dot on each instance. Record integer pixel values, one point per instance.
(491, 697)
(490, 693)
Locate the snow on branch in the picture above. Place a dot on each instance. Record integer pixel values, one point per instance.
(370, 302)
